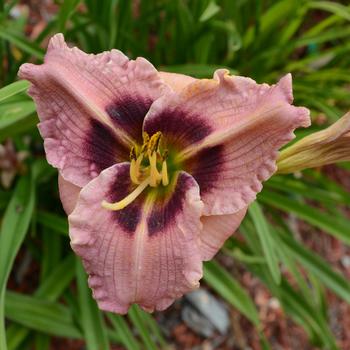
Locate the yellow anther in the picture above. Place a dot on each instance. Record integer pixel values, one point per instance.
(145, 137)
(128, 199)
(165, 177)
(154, 141)
(133, 154)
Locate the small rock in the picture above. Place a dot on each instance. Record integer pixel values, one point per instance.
(197, 322)
(345, 260)
(210, 309)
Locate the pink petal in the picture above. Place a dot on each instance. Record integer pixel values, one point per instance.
(91, 107)
(176, 81)
(227, 132)
(69, 194)
(148, 253)
(216, 230)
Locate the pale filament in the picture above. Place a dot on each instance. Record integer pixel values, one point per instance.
(128, 199)
(135, 169)
(165, 177)
(154, 174)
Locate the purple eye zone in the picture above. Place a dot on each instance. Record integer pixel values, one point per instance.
(128, 113)
(180, 126)
(207, 167)
(164, 212)
(129, 217)
(103, 147)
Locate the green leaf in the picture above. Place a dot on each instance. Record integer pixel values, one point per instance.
(221, 281)
(298, 307)
(13, 89)
(53, 221)
(123, 331)
(66, 10)
(331, 6)
(306, 315)
(266, 239)
(42, 342)
(50, 289)
(135, 315)
(211, 10)
(16, 117)
(41, 315)
(14, 227)
(318, 267)
(58, 280)
(338, 227)
(21, 42)
(154, 328)
(308, 190)
(196, 70)
(91, 317)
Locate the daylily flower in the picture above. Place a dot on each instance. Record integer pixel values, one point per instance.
(165, 165)
(324, 147)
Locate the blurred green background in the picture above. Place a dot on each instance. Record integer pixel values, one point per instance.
(284, 277)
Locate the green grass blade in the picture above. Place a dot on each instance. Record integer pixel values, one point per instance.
(66, 10)
(266, 239)
(154, 329)
(58, 280)
(221, 281)
(42, 342)
(300, 309)
(21, 42)
(14, 227)
(53, 221)
(41, 315)
(15, 336)
(91, 317)
(123, 331)
(318, 267)
(13, 89)
(210, 11)
(135, 315)
(338, 227)
(326, 196)
(196, 70)
(50, 289)
(331, 6)
(16, 117)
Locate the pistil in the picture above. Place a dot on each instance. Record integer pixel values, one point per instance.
(128, 199)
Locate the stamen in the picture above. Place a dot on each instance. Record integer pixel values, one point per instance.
(135, 169)
(128, 199)
(154, 141)
(165, 178)
(133, 153)
(145, 137)
(134, 172)
(154, 174)
(138, 163)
